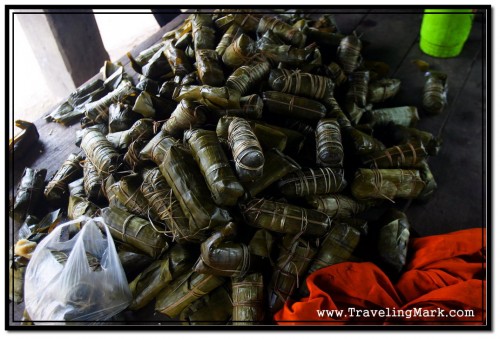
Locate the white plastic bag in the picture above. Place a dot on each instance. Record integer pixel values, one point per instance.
(75, 291)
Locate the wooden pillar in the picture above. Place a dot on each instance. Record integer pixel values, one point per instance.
(67, 46)
(164, 16)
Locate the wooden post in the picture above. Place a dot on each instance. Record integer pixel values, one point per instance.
(68, 46)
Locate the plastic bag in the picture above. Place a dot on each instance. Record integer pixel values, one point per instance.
(77, 279)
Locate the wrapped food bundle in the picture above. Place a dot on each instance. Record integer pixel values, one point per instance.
(257, 162)
(57, 190)
(29, 192)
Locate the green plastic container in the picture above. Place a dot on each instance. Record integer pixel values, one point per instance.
(444, 35)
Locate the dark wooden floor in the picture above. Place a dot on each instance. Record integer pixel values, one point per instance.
(393, 37)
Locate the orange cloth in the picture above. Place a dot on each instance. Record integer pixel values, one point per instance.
(444, 272)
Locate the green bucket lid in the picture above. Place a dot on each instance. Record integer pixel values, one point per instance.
(445, 31)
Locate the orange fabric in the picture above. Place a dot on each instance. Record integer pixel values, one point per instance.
(444, 272)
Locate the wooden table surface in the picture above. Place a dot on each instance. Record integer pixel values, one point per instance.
(393, 37)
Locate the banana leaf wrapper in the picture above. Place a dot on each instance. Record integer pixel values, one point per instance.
(386, 184)
(326, 23)
(249, 22)
(349, 53)
(284, 104)
(325, 39)
(355, 112)
(100, 152)
(287, 54)
(73, 108)
(25, 229)
(222, 257)
(110, 190)
(92, 182)
(29, 192)
(301, 84)
(178, 60)
(25, 141)
(188, 79)
(164, 203)
(294, 259)
(251, 108)
(336, 73)
(231, 33)
(38, 230)
(358, 87)
(435, 92)
(406, 116)
(186, 27)
(157, 147)
(146, 54)
(189, 187)
(167, 89)
(147, 85)
(248, 299)
(334, 111)
(158, 66)
(430, 182)
(245, 77)
(329, 149)
(276, 166)
(133, 263)
(190, 53)
(203, 32)
(57, 191)
(148, 284)
(285, 218)
(401, 156)
(121, 117)
(213, 97)
(215, 308)
(383, 89)
(267, 136)
(393, 238)
(336, 206)
(401, 135)
(17, 271)
(209, 70)
(184, 41)
(142, 129)
(114, 74)
(76, 188)
(282, 29)
(186, 115)
(362, 143)
(184, 290)
(98, 111)
(239, 52)
(133, 155)
(134, 231)
(152, 106)
(246, 149)
(270, 137)
(215, 167)
(101, 127)
(269, 39)
(360, 224)
(128, 192)
(79, 206)
(310, 181)
(337, 246)
(262, 243)
(299, 126)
